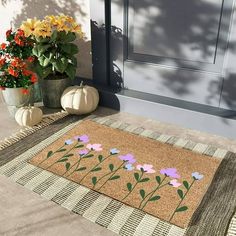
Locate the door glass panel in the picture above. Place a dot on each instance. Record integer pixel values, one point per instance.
(178, 29)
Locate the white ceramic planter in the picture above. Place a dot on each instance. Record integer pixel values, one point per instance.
(14, 99)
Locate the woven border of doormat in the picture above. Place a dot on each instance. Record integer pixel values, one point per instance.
(96, 207)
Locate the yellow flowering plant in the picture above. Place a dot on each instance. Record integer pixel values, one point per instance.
(54, 44)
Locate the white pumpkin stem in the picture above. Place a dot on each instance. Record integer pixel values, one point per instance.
(81, 83)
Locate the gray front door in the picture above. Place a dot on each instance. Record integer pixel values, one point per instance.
(173, 48)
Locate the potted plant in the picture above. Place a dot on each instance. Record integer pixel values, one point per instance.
(16, 79)
(55, 51)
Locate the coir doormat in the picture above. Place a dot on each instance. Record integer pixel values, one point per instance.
(160, 179)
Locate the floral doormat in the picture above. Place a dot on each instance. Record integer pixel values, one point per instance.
(165, 181)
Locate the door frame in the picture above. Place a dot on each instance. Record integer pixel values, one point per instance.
(100, 41)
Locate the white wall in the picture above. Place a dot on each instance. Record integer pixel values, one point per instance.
(13, 12)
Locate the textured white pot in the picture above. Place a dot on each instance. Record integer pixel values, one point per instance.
(14, 99)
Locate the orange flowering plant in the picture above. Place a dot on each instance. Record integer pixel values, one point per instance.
(15, 57)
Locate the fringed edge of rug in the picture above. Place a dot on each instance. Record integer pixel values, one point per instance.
(25, 131)
(232, 226)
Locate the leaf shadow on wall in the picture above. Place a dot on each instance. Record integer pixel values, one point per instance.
(76, 9)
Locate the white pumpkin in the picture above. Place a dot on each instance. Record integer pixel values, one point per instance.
(80, 100)
(28, 116)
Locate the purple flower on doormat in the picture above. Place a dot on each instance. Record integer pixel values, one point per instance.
(128, 158)
(82, 138)
(197, 176)
(83, 152)
(170, 172)
(146, 168)
(114, 151)
(129, 167)
(68, 142)
(94, 147)
(174, 183)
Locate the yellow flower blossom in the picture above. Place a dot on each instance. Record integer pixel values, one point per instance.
(63, 27)
(62, 18)
(76, 28)
(44, 30)
(51, 23)
(30, 26)
(70, 19)
(53, 20)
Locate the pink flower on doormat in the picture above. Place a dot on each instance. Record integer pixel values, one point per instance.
(174, 183)
(83, 152)
(170, 172)
(197, 176)
(128, 158)
(68, 142)
(83, 138)
(146, 168)
(94, 147)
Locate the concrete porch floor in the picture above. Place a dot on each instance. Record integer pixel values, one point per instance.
(26, 213)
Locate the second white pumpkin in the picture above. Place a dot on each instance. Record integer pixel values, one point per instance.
(28, 116)
(80, 100)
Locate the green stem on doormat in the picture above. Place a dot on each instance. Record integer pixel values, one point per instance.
(94, 168)
(111, 173)
(182, 197)
(64, 157)
(77, 164)
(135, 185)
(51, 153)
(149, 196)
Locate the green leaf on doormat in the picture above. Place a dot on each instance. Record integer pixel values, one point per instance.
(69, 155)
(155, 198)
(144, 180)
(79, 146)
(111, 167)
(67, 166)
(114, 177)
(136, 176)
(129, 186)
(96, 169)
(94, 180)
(180, 193)
(81, 169)
(49, 154)
(186, 184)
(183, 208)
(61, 150)
(100, 158)
(63, 160)
(158, 179)
(142, 193)
(88, 156)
